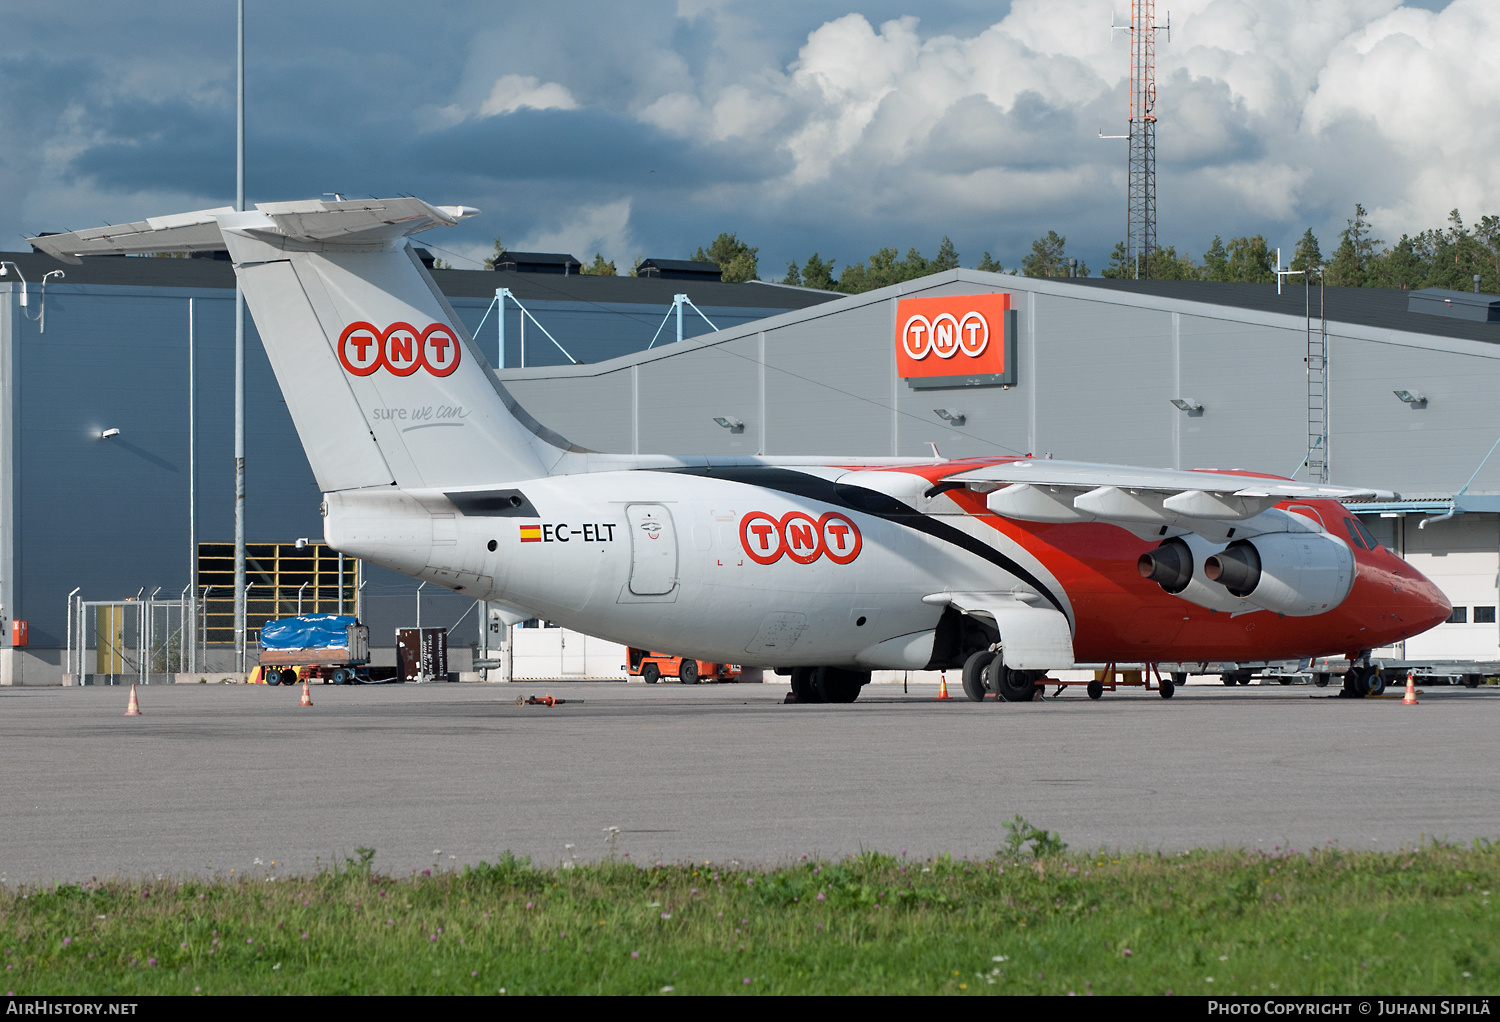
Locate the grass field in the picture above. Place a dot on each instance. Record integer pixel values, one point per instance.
(1033, 919)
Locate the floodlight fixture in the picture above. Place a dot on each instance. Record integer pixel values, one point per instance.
(1187, 404)
(951, 415)
(3, 272)
(1415, 400)
(301, 543)
(730, 423)
(109, 434)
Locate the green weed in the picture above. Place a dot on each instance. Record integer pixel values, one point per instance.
(1034, 919)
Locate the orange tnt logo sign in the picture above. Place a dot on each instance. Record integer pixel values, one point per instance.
(956, 339)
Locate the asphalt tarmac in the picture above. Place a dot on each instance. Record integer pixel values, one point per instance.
(218, 778)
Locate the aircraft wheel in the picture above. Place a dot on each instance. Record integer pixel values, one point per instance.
(651, 674)
(688, 672)
(1013, 686)
(1095, 689)
(803, 687)
(1167, 689)
(1376, 683)
(837, 685)
(974, 673)
(1356, 683)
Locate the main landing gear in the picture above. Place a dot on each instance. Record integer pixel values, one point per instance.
(827, 684)
(985, 673)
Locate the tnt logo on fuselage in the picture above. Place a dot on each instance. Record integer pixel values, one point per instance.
(401, 349)
(801, 537)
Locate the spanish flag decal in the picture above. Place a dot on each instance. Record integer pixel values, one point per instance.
(531, 534)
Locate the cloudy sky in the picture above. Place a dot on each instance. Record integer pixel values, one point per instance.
(645, 128)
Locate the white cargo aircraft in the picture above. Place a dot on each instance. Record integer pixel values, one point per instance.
(1004, 567)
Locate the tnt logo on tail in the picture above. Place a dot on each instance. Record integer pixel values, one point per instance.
(401, 349)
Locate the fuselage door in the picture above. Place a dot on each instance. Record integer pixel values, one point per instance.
(653, 550)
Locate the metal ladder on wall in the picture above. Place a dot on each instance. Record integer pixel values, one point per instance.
(1317, 393)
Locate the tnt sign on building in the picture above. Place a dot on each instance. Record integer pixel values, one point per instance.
(956, 341)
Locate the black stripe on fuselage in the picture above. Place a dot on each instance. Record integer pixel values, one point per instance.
(869, 502)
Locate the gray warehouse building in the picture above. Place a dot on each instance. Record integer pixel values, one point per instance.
(1174, 374)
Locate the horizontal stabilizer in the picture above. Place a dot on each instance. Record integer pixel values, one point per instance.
(180, 232)
(311, 223)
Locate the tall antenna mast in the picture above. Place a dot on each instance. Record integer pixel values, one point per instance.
(1140, 203)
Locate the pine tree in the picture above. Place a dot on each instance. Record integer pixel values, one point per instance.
(489, 263)
(1307, 258)
(735, 259)
(1350, 264)
(990, 264)
(1215, 262)
(947, 257)
(599, 268)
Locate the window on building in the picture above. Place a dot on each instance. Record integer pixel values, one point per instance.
(1460, 616)
(282, 577)
(1484, 615)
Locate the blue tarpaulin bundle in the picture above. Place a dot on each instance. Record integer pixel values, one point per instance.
(309, 631)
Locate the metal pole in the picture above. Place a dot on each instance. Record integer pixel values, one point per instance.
(419, 603)
(71, 596)
(190, 612)
(239, 367)
(341, 585)
(206, 591)
(677, 301)
(484, 636)
(523, 339)
(500, 294)
(299, 598)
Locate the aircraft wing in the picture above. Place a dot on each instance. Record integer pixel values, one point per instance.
(1200, 501)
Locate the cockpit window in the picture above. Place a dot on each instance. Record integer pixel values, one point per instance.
(1359, 535)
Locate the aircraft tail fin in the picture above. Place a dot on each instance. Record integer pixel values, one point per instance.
(383, 382)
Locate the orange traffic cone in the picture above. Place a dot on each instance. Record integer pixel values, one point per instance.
(943, 687)
(1410, 699)
(306, 694)
(134, 709)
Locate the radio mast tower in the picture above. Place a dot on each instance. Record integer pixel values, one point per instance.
(1140, 207)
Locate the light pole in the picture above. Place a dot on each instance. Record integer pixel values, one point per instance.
(239, 365)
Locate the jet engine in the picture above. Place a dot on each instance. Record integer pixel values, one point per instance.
(1177, 566)
(1296, 574)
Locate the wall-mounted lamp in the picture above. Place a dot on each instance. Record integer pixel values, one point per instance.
(957, 418)
(301, 543)
(1415, 400)
(109, 434)
(730, 423)
(5, 272)
(1187, 404)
